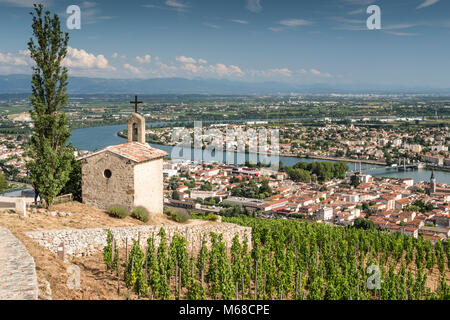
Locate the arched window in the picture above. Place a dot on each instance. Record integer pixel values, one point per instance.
(135, 132)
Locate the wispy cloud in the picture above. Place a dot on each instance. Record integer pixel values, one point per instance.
(427, 3)
(357, 11)
(90, 13)
(401, 34)
(25, 3)
(177, 4)
(240, 21)
(359, 2)
(170, 5)
(398, 26)
(295, 22)
(210, 25)
(351, 21)
(275, 29)
(254, 6)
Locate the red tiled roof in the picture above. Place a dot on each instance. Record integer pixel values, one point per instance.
(134, 151)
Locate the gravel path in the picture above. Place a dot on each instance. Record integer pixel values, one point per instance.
(18, 280)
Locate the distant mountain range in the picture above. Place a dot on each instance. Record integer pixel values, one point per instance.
(82, 85)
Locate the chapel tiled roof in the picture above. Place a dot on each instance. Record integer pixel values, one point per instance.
(134, 151)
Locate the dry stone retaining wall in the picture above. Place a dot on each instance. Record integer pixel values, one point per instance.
(85, 242)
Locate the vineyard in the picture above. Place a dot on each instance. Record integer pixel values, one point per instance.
(288, 260)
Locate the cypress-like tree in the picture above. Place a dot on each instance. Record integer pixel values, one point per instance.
(51, 158)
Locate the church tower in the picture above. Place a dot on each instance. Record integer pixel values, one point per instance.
(432, 183)
(136, 125)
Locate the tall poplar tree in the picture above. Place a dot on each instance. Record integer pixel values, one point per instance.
(51, 158)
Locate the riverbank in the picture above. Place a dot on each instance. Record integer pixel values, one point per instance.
(436, 168)
(378, 163)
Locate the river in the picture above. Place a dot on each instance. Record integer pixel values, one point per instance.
(95, 138)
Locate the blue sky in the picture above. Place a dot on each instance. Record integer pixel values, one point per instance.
(304, 42)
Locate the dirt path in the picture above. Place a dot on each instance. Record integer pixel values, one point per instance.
(18, 280)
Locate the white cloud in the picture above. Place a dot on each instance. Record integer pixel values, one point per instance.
(25, 3)
(88, 4)
(22, 58)
(398, 26)
(295, 22)
(184, 59)
(240, 21)
(217, 70)
(401, 34)
(146, 59)
(222, 70)
(115, 55)
(275, 29)
(427, 3)
(359, 2)
(190, 67)
(132, 69)
(165, 67)
(271, 73)
(176, 4)
(357, 11)
(79, 58)
(320, 74)
(282, 72)
(254, 6)
(211, 25)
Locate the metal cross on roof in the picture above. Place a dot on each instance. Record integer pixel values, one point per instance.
(135, 102)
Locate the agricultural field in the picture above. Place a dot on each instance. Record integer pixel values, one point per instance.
(288, 260)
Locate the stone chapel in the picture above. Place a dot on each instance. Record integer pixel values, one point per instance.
(128, 174)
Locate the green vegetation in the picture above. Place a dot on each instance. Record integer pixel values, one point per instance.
(73, 185)
(355, 181)
(420, 206)
(107, 250)
(293, 260)
(323, 170)
(207, 186)
(3, 183)
(140, 213)
(50, 166)
(210, 216)
(178, 216)
(251, 190)
(118, 212)
(233, 211)
(361, 223)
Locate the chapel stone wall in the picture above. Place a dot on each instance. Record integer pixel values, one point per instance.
(102, 192)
